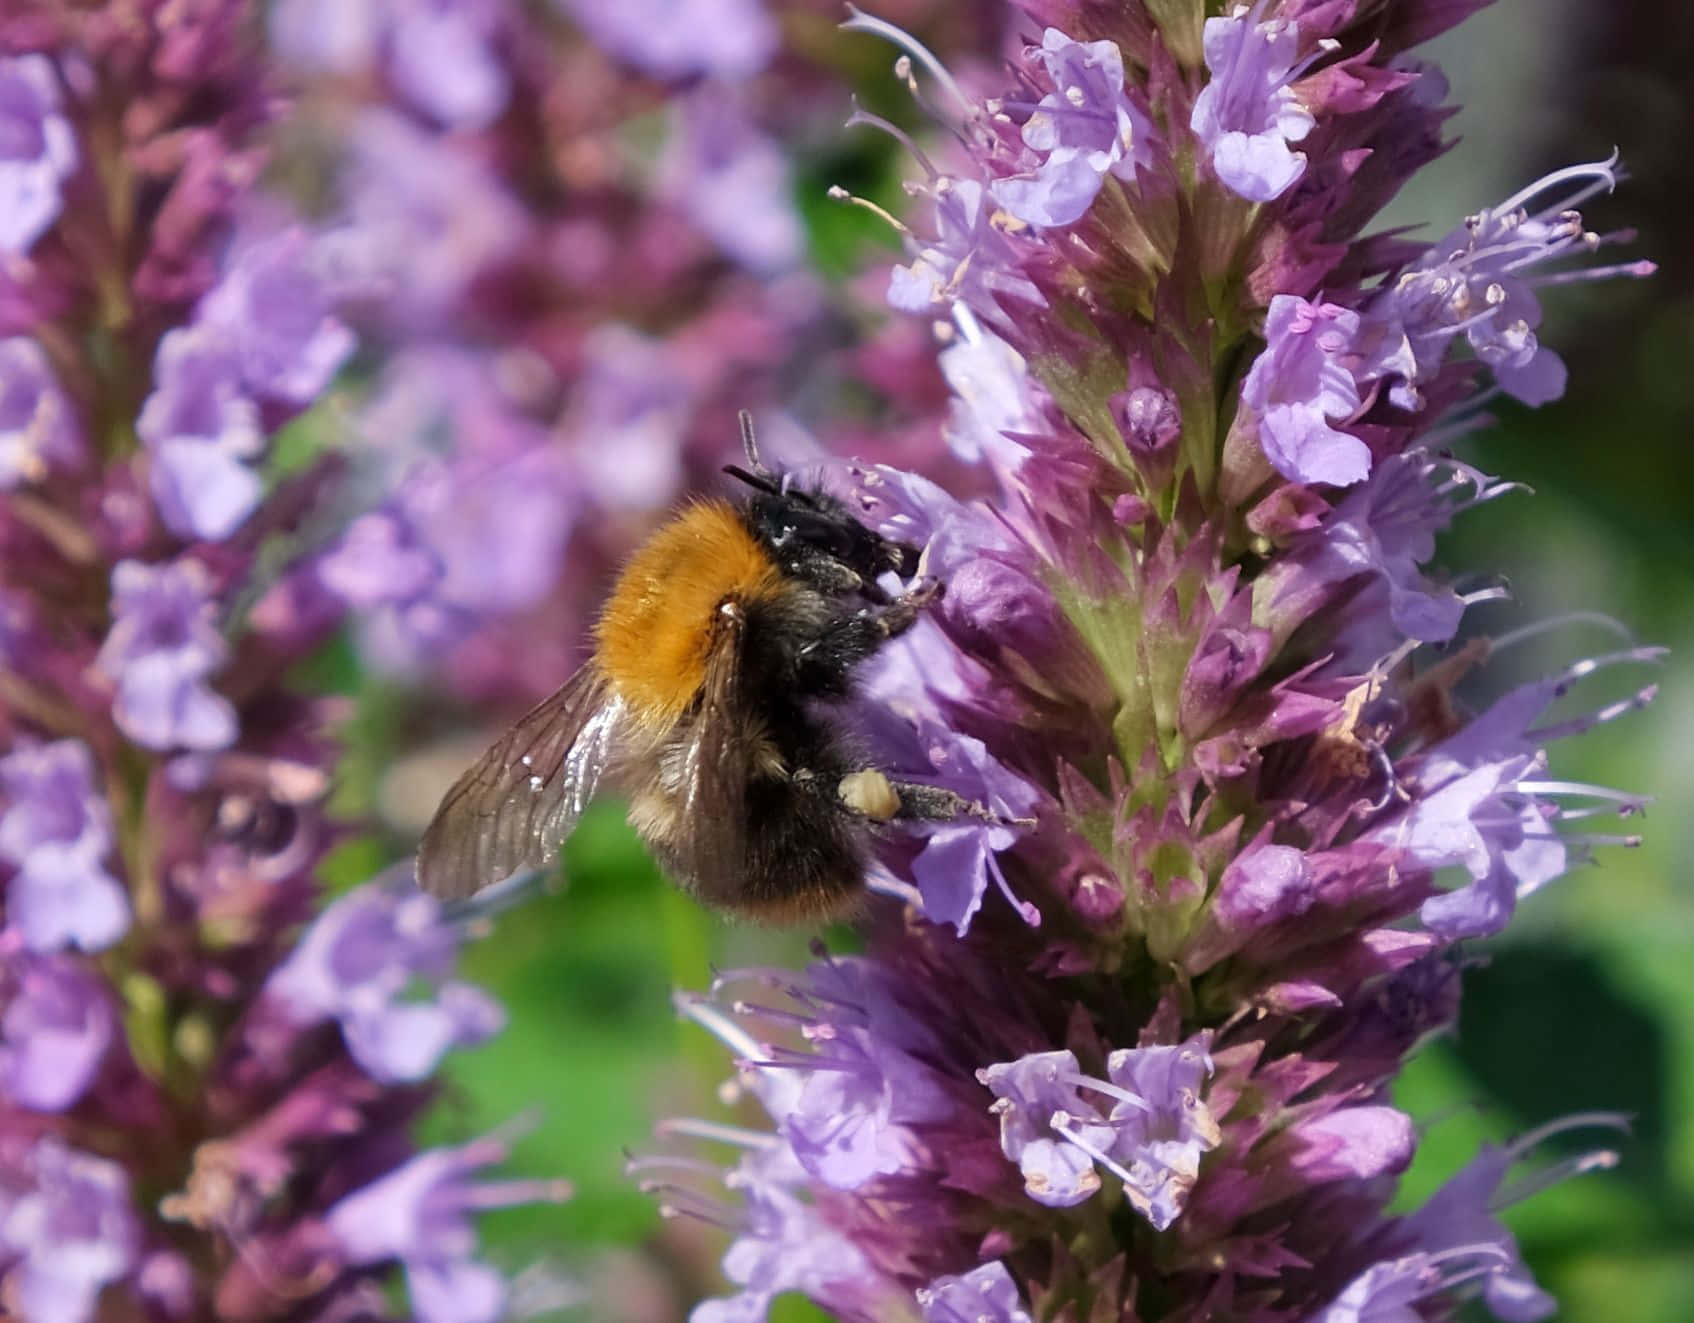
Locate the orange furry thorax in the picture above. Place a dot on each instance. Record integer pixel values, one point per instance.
(656, 630)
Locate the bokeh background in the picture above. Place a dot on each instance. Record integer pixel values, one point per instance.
(1586, 1003)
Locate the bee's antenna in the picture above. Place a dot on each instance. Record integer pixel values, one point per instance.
(750, 443)
(760, 477)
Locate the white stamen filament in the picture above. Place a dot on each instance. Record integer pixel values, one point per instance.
(863, 22)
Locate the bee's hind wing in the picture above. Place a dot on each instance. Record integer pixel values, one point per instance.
(514, 808)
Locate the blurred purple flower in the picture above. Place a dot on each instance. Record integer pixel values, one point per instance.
(272, 309)
(67, 1229)
(1246, 116)
(733, 181)
(364, 962)
(631, 411)
(422, 221)
(55, 1026)
(37, 150)
(418, 1214)
(38, 429)
(162, 648)
(440, 55)
(201, 425)
(57, 830)
(727, 39)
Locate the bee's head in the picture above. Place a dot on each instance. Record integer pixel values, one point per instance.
(807, 527)
(802, 527)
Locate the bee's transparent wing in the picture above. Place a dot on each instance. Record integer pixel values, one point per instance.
(514, 808)
(717, 764)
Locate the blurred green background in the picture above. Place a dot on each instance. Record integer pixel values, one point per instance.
(1586, 1003)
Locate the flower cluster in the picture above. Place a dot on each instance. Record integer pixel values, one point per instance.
(205, 1093)
(1123, 1048)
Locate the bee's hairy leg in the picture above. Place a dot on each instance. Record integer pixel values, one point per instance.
(871, 794)
(848, 641)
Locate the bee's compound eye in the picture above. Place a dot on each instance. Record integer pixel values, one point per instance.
(870, 794)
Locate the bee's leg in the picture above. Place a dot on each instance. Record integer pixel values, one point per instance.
(823, 663)
(870, 794)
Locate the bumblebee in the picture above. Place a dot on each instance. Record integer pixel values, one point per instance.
(727, 640)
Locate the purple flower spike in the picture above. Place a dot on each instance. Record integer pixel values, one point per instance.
(360, 963)
(67, 1229)
(1247, 115)
(38, 430)
(418, 1214)
(1300, 385)
(983, 1295)
(57, 830)
(201, 426)
(162, 647)
(54, 1031)
(37, 150)
(1084, 129)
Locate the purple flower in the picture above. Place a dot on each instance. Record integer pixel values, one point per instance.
(1478, 282)
(1477, 807)
(1151, 1140)
(993, 401)
(1462, 1217)
(201, 425)
(1299, 386)
(1388, 1292)
(1084, 129)
(1045, 1123)
(418, 1214)
(272, 311)
(1384, 531)
(785, 1245)
(363, 962)
(986, 1294)
(970, 260)
(728, 39)
(38, 429)
(733, 181)
(162, 647)
(865, 1092)
(57, 830)
(55, 1028)
(1162, 1126)
(1246, 116)
(67, 1229)
(37, 150)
